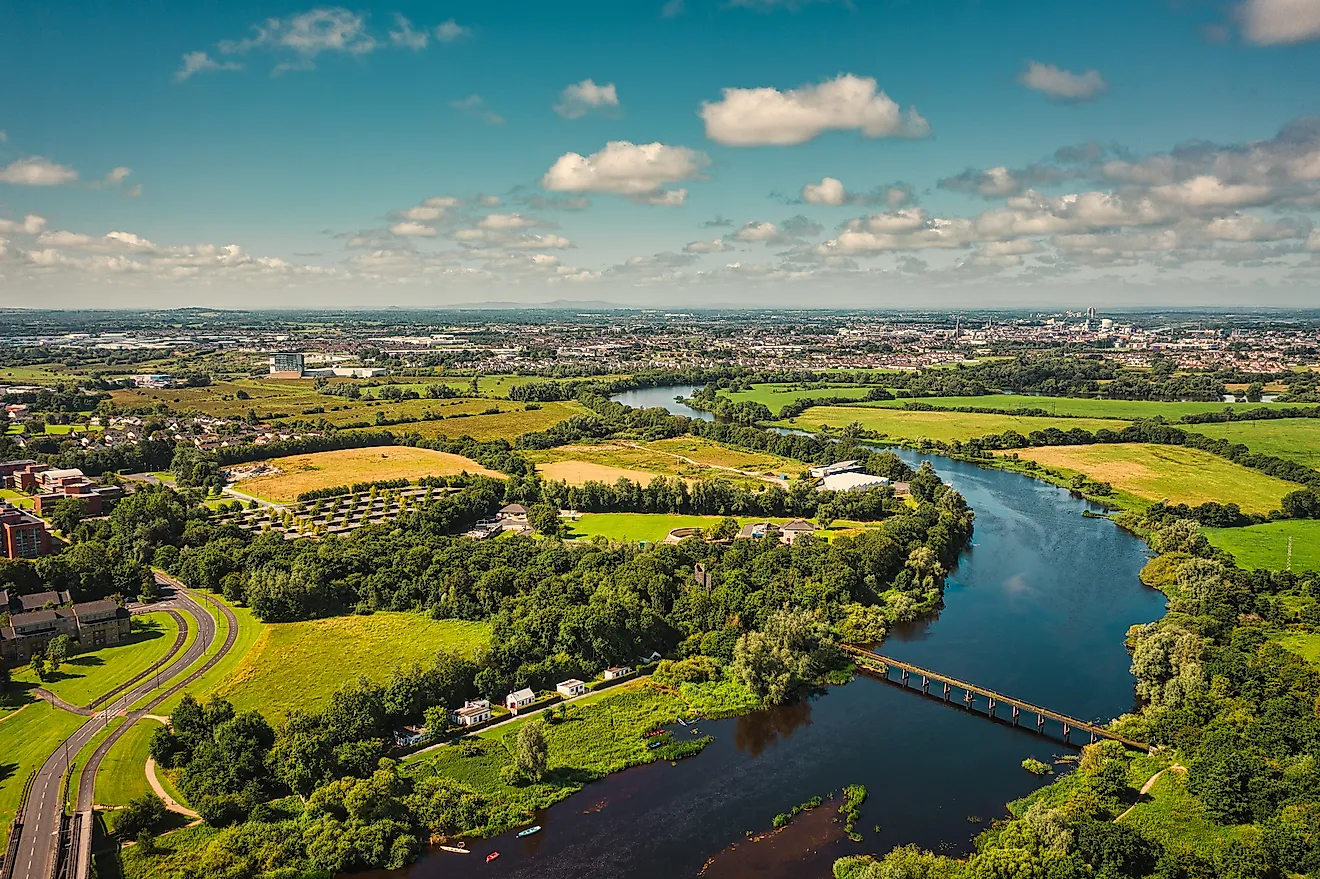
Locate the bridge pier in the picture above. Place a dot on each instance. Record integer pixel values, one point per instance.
(967, 697)
(1015, 715)
(1040, 724)
(991, 709)
(925, 685)
(1093, 738)
(947, 688)
(1066, 729)
(905, 677)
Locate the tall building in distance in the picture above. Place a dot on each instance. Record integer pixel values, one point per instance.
(287, 362)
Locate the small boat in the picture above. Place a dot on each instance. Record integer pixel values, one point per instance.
(654, 745)
(695, 731)
(458, 850)
(492, 856)
(535, 828)
(681, 722)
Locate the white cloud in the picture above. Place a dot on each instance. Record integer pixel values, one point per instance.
(37, 171)
(757, 230)
(719, 245)
(1268, 22)
(406, 36)
(668, 198)
(831, 192)
(1207, 191)
(639, 171)
(199, 62)
(31, 225)
(422, 213)
(1248, 227)
(581, 98)
(502, 222)
(540, 242)
(769, 117)
(1062, 84)
(118, 175)
(828, 191)
(475, 105)
(891, 222)
(413, 230)
(451, 31)
(134, 191)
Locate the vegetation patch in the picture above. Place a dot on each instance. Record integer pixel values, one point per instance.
(1083, 407)
(1173, 473)
(300, 665)
(513, 421)
(905, 425)
(1294, 439)
(1266, 545)
(123, 774)
(300, 473)
(27, 737)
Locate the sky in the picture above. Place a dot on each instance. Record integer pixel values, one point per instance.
(661, 153)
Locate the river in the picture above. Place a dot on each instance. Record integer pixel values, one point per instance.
(1037, 609)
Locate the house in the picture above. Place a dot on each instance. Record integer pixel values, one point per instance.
(514, 512)
(409, 736)
(92, 623)
(471, 715)
(791, 531)
(830, 469)
(100, 623)
(570, 688)
(613, 673)
(756, 530)
(648, 658)
(519, 699)
(851, 482)
(22, 535)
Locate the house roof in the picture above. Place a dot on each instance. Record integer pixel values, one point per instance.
(797, 525)
(38, 600)
(571, 682)
(519, 695)
(851, 481)
(34, 616)
(513, 508)
(751, 529)
(472, 710)
(88, 607)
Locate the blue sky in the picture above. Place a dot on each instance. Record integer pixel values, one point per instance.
(653, 153)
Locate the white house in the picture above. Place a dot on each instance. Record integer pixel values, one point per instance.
(471, 715)
(791, 531)
(570, 688)
(519, 699)
(616, 672)
(851, 482)
(830, 469)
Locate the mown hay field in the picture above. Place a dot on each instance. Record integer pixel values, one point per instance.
(300, 665)
(318, 470)
(1173, 473)
(514, 420)
(688, 458)
(1127, 410)
(900, 424)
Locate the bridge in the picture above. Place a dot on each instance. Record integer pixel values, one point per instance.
(882, 665)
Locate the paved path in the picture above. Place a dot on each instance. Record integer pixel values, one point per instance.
(43, 693)
(169, 801)
(43, 812)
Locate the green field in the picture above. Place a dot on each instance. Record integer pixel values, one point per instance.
(1295, 439)
(1171, 816)
(777, 396)
(27, 737)
(936, 426)
(17, 498)
(1173, 473)
(123, 773)
(249, 630)
(513, 421)
(300, 665)
(90, 675)
(1266, 546)
(1304, 644)
(1126, 410)
(653, 527)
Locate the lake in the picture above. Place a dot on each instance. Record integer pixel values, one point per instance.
(1037, 608)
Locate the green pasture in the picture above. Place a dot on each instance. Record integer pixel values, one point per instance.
(1294, 439)
(900, 425)
(1266, 546)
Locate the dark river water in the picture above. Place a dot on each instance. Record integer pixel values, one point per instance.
(1037, 609)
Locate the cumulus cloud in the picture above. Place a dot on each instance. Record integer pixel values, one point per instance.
(639, 171)
(719, 245)
(830, 192)
(758, 231)
(413, 230)
(1063, 85)
(502, 222)
(29, 225)
(475, 106)
(37, 171)
(201, 62)
(581, 98)
(451, 31)
(1269, 22)
(769, 117)
(1207, 191)
(1313, 240)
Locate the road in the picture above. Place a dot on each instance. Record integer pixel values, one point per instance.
(38, 836)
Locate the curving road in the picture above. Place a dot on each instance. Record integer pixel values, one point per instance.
(38, 851)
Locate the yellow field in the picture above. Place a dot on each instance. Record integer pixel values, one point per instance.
(579, 472)
(938, 426)
(715, 455)
(512, 422)
(1173, 473)
(688, 458)
(346, 466)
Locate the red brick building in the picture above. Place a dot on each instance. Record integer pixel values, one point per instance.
(22, 535)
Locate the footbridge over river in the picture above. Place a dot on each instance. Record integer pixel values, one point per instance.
(882, 664)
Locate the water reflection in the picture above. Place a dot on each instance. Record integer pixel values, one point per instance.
(753, 733)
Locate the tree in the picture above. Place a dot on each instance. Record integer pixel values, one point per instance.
(38, 665)
(545, 519)
(141, 814)
(788, 653)
(4, 680)
(532, 753)
(66, 514)
(57, 651)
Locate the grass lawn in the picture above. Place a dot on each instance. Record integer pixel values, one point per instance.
(346, 466)
(1304, 644)
(1266, 546)
(937, 426)
(1174, 818)
(653, 527)
(1295, 439)
(17, 498)
(90, 675)
(27, 737)
(1126, 410)
(300, 665)
(777, 396)
(1155, 472)
(249, 630)
(123, 774)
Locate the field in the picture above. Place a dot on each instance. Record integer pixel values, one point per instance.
(1173, 817)
(1295, 439)
(90, 675)
(1266, 546)
(686, 457)
(347, 466)
(16, 498)
(513, 421)
(1173, 473)
(123, 771)
(652, 527)
(936, 426)
(716, 455)
(249, 631)
(27, 737)
(287, 666)
(1126, 410)
(1304, 644)
(777, 396)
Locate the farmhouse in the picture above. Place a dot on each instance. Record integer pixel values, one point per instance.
(519, 699)
(791, 531)
(570, 688)
(471, 715)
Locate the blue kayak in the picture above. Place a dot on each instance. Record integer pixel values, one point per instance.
(536, 828)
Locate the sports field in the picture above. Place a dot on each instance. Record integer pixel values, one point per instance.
(346, 466)
(1128, 410)
(1294, 439)
(300, 665)
(938, 426)
(1266, 546)
(1173, 473)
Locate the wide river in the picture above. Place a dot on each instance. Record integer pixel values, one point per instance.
(1037, 609)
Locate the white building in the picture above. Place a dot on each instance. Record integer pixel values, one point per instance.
(519, 699)
(616, 672)
(471, 715)
(830, 469)
(570, 688)
(851, 482)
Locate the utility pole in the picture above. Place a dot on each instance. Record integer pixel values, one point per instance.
(1289, 568)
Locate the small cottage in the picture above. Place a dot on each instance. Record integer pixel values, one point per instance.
(519, 699)
(570, 688)
(616, 672)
